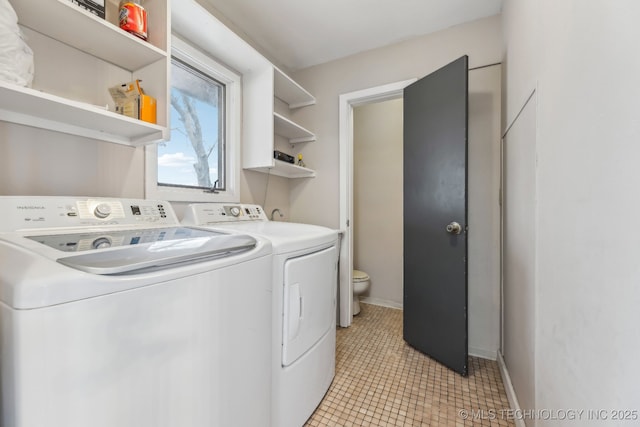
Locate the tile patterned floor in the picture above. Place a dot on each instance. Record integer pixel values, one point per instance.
(381, 381)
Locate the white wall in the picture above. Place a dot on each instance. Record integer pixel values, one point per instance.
(269, 191)
(377, 198)
(586, 288)
(588, 337)
(520, 21)
(483, 240)
(317, 201)
(44, 163)
(519, 250)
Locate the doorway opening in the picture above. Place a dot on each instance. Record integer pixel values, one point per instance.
(378, 203)
(348, 102)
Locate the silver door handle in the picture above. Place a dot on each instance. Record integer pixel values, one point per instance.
(454, 228)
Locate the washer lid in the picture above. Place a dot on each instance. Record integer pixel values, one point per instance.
(33, 275)
(169, 247)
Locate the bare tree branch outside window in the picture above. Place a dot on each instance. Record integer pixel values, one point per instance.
(184, 105)
(197, 125)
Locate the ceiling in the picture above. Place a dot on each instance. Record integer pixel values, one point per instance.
(299, 34)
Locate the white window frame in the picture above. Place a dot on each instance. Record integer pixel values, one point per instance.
(233, 105)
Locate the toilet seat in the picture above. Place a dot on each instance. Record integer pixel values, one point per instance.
(360, 276)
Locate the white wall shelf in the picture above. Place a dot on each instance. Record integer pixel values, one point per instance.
(68, 23)
(291, 130)
(286, 170)
(290, 92)
(38, 109)
(78, 57)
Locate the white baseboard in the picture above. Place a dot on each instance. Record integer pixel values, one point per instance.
(508, 387)
(482, 353)
(381, 302)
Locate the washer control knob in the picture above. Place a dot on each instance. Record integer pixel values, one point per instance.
(235, 211)
(101, 243)
(103, 210)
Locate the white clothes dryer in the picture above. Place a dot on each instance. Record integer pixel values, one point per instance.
(305, 271)
(113, 314)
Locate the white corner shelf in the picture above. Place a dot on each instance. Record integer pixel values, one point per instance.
(291, 130)
(68, 23)
(42, 110)
(286, 170)
(61, 24)
(290, 92)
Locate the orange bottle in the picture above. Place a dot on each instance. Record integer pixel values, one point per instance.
(133, 18)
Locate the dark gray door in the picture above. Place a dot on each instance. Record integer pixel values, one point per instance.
(435, 200)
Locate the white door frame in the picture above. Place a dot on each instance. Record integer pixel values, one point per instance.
(347, 102)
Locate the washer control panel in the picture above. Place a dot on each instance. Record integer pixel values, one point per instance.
(51, 212)
(79, 242)
(216, 213)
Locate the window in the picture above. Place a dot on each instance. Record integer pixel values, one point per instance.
(194, 157)
(200, 162)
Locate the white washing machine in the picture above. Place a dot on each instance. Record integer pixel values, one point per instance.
(113, 314)
(305, 271)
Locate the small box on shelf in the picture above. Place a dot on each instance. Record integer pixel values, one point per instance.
(279, 155)
(131, 101)
(94, 6)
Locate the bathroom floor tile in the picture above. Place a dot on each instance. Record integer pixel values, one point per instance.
(381, 381)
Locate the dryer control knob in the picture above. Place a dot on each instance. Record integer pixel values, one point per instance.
(103, 210)
(235, 211)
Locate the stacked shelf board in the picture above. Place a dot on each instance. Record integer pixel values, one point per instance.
(37, 109)
(291, 130)
(290, 92)
(286, 170)
(65, 22)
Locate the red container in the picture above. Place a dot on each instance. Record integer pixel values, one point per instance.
(133, 18)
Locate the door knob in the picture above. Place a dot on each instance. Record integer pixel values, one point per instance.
(454, 228)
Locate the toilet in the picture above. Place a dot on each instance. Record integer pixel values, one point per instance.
(360, 286)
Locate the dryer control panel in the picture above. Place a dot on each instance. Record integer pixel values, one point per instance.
(20, 213)
(216, 213)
